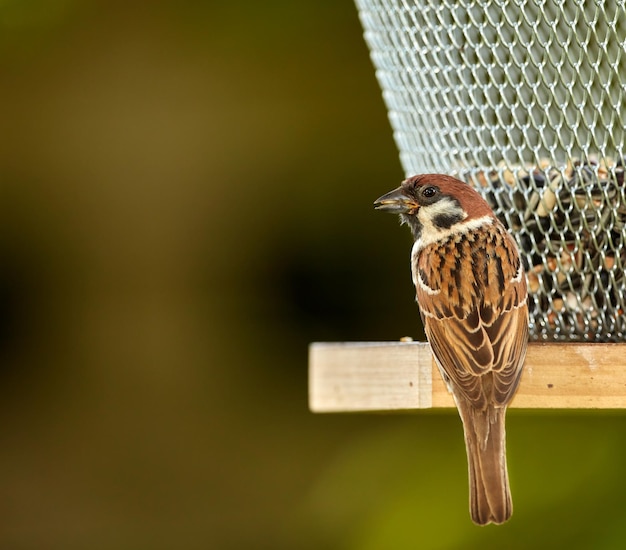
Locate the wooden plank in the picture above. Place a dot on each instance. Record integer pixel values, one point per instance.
(369, 377)
(393, 376)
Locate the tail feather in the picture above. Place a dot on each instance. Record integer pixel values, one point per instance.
(490, 496)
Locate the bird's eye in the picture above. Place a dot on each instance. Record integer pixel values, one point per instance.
(429, 192)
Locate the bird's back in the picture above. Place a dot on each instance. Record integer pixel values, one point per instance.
(472, 296)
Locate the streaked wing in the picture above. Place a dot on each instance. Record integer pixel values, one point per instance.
(475, 314)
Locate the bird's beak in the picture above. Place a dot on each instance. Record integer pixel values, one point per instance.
(396, 202)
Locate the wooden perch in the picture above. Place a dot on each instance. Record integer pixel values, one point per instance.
(388, 376)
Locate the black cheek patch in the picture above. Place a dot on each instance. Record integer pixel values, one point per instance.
(446, 221)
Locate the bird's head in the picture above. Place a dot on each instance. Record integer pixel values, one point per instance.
(433, 205)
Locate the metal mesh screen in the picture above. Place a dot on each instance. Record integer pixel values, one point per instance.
(525, 101)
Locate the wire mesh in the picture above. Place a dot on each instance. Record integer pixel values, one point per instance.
(523, 100)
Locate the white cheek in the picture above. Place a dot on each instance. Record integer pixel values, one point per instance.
(442, 207)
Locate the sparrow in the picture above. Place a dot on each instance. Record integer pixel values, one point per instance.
(471, 291)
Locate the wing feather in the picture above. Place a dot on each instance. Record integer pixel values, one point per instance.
(478, 329)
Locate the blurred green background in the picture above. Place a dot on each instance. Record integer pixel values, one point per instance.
(186, 198)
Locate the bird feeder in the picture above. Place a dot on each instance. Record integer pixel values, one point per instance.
(525, 102)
